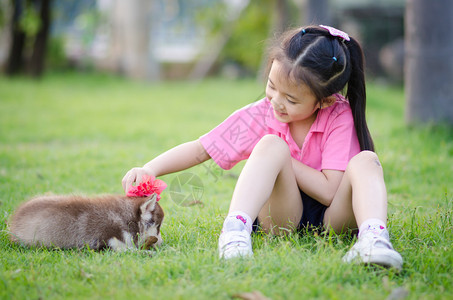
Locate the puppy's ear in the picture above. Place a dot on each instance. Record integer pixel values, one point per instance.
(149, 204)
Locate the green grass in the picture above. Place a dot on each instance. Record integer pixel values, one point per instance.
(79, 133)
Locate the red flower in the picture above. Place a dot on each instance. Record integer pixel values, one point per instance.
(149, 186)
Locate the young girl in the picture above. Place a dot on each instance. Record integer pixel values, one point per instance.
(308, 149)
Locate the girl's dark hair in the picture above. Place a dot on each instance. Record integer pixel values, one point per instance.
(326, 64)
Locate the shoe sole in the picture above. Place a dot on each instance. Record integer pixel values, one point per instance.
(238, 254)
(384, 259)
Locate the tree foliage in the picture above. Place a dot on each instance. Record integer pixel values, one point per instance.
(30, 26)
(248, 41)
(29, 20)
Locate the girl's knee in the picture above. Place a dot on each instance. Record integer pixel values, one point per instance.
(271, 143)
(272, 139)
(364, 158)
(271, 147)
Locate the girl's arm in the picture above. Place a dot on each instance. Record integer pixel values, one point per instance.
(321, 186)
(176, 159)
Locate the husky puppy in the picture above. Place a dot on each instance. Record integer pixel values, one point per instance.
(109, 221)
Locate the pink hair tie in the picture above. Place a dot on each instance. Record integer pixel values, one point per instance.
(336, 32)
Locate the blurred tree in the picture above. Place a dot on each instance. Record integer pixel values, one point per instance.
(282, 16)
(429, 61)
(244, 38)
(41, 38)
(130, 50)
(3, 8)
(15, 57)
(281, 20)
(29, 26)
(317, 12)
(216, 46)
(245, 47)
(261, 20)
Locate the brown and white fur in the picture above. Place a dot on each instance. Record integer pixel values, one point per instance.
(109, 221)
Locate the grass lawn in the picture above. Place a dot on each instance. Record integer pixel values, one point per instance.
(79, 133)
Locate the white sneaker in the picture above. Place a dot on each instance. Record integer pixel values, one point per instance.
(235, 241)
(374, 249)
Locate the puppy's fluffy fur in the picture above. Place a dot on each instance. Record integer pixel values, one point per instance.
(109, 221)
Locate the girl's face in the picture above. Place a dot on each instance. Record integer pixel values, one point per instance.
(291, 102)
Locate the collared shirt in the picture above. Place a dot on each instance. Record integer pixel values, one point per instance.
(329, 145)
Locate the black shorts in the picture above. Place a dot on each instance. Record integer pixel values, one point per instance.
(312, 215)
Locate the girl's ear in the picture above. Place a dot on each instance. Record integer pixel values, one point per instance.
(328, 101)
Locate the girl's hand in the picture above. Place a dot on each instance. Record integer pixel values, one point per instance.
(135, 175)
(176, 159)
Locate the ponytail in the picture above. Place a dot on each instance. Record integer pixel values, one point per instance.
(356, 94)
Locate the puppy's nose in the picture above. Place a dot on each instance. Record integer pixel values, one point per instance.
(149, 242)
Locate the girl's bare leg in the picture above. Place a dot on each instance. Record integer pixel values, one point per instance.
(267, 186)
(361, 195)
(361, 199)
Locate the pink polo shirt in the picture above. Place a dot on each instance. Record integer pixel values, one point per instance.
(330, 143)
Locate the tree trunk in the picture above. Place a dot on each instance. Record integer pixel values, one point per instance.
(317, 12)
(280, 22)
(132, 26)
(281, 17)
(15, 58)
(429, 61)
(40, 44)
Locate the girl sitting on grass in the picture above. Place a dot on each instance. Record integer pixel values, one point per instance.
(310, 160)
